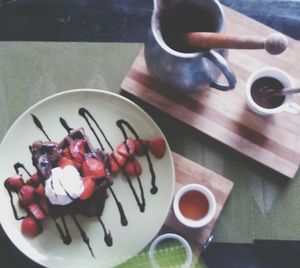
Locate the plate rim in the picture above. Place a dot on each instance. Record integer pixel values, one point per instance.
(97, 91)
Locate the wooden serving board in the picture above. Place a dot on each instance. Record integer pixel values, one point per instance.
(188, 172)
(273, 141)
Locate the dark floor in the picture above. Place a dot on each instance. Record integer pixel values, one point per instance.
(117, 20)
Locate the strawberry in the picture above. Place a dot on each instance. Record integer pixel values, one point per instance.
(30, 226)
(35, 179)
(63, 162)
(141, 147)
(126, 148)
(116, 161)
(93, 167)
(44, 205)
(133, 168)
(14, 183)
(88, 178)
(36, 211)
(26, 194)
(89, 187)
(157, 147)
(40, 190)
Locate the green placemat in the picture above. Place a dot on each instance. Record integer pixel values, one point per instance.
(169, 255)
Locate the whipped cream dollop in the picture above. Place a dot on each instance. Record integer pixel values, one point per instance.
(64, 185)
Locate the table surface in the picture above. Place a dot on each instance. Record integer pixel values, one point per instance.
(25, 80)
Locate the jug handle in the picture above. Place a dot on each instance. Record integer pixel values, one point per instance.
(221, 63)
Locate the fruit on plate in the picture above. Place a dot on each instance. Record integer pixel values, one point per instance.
(30, 226)
(157, 147)
(74, 178)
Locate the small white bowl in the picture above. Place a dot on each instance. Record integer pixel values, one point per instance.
(211, 206)
(184, 243)
(287, 106)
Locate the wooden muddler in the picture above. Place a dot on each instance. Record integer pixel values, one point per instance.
(274, 44)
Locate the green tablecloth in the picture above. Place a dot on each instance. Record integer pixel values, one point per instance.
(263, 205)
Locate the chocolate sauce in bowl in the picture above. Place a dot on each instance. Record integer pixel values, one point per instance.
(183, 17)
(260, 92)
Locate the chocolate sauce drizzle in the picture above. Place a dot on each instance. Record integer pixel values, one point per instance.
(107, 235)
(17, 217)
(120, 124)
(17, 167)
(64, 234)
(39, 125)
(65, 125)
(85, 238)
(85, 114)
(141, 203)
(63, 230)
(123, 217)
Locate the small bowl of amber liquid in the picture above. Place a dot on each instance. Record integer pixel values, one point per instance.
(194, 205)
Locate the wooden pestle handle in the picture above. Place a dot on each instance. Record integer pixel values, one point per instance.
(274, 44)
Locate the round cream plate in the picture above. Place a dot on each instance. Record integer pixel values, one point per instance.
(47, 248)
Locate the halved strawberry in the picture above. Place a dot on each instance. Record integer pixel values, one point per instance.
(36, 211)
(40, 190)
(116, 161)
(26, 194)
(14, 183)
(157, 147)
(126, 148)
(63, 162)
(93, 167)
(89, 187)
(133, 168)
(30, 226)
(141, 147)
(35, 179)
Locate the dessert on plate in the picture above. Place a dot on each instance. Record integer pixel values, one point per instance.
(74, 178)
